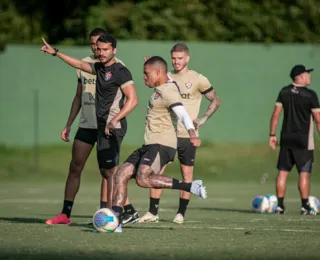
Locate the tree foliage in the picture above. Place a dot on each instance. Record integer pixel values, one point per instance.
(68, 22)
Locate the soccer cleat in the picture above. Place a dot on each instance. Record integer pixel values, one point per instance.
(279, 210)
(149, 218)
(308, 211)
(197, 188)
(119, 229)
(61, 219)
(130, 218)
(179, 219)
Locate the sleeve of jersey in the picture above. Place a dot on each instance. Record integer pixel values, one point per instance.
(315, 106)
(124, 78)
(119, 61)
(204, 86)
(95, 67)
(279, 100)
(171, 96)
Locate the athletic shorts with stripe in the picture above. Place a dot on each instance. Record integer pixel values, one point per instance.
(154, 155)
(302, 158)
(108, 147)
(186, 151)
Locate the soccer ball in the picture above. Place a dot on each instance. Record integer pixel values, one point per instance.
(260, 204)
(105, 220)
(273, 202)
(314, 203)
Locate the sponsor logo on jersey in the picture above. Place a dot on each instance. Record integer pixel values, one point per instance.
(156, 96)
(188, 85)
(108, 75)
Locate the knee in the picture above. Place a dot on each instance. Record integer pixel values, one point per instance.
(107, 173)
(76, 168)
(140, 181)
(187, 175)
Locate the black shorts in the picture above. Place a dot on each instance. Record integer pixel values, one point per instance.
(87, 135)
(186, 151)
(302, 158)
(108, 148)
(154, 155)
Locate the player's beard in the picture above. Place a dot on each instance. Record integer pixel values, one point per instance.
(108, 59)
(182, 67)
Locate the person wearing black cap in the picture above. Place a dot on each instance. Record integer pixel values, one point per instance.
(301, 107)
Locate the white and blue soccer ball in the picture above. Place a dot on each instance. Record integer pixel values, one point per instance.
(314, 204)
(260, 204)
(105, 220)
(273, 202)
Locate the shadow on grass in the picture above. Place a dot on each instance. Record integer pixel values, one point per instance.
(247, 211)
(23, 220)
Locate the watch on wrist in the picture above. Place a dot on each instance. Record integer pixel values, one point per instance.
(55, 52)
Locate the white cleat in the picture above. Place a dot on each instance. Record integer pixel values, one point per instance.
(179, 219)
(197, 188)
(119, 229)
(149, 218)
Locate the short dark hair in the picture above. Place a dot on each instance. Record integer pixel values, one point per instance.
(108, 38)
(156, 60)
(180, 47)
(97, 32)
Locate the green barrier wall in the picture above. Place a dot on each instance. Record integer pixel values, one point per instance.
(247, 78)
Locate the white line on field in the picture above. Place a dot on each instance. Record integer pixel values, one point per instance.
(242, 228)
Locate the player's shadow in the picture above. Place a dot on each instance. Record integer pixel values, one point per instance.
(247, 211)
(23, 220)
(134, 227)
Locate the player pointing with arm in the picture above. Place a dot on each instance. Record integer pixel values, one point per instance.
(114, 84)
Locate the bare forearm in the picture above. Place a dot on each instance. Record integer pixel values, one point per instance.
(75, 108)
(74, 62)
(273, 126)
(128, 107)
(213, 107)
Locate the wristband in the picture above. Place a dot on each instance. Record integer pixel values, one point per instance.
(272, 135)
(55, 52)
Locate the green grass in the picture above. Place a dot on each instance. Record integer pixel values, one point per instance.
(217, 162)
(221, 227)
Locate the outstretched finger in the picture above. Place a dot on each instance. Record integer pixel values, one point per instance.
(44, 41)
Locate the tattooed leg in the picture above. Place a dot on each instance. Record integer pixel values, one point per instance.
(147, 178)
(121, 178)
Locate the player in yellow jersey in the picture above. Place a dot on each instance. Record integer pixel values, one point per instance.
(85, 138)
(192, 87)
(160, 140)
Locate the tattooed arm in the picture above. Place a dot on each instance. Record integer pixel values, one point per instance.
(214, 99)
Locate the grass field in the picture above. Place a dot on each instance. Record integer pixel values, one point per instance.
(221, 227)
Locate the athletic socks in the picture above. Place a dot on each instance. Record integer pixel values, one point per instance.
(183, 203)
(280, 202)
(154, 206)
(129, 209)
(181, 185)
(67, 207)
(117, 210)
(103, 204)
(305, 203)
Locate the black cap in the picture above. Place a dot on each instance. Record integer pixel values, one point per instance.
(298, 69)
